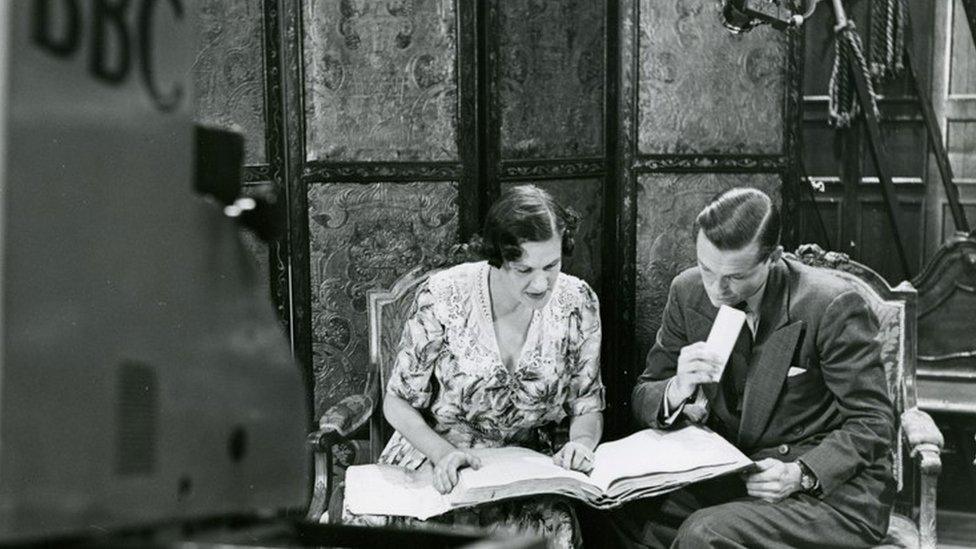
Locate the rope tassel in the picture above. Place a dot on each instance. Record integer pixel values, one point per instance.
(889, 19)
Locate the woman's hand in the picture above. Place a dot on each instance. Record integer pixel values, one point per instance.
(575, 457)
(446, 469)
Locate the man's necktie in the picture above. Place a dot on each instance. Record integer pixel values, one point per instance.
(739, 362)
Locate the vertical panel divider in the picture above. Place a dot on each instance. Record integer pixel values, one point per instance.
(488, 102)
(625, 204)
(470, 117)
(274, 147)
(609, 305)
(793, 137)
(291, 75)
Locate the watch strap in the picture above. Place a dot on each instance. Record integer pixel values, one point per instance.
(809, 480)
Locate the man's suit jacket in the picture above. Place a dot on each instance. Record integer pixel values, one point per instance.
(835, 415)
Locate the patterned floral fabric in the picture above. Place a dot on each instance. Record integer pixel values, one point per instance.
(891, 324)
(549, 517)
(448, 364)
(889, 336)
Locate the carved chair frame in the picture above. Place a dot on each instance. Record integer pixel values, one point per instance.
(917, 435)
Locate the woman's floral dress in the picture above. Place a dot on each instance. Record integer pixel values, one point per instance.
(449, 366)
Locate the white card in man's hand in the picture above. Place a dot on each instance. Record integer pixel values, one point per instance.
(725, 331)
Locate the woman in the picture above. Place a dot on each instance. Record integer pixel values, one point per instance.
(498, 353)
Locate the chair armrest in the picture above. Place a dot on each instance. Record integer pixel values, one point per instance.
(920, 431)
(341, 420)
(925, 445)
(336, 424)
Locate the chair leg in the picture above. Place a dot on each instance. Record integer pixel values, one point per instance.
(321, 492)
(930, 465)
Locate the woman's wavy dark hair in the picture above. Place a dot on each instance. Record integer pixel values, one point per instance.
(524, 213)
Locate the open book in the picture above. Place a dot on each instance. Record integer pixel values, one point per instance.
(645, 464)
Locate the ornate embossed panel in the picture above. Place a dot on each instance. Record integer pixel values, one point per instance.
(362, 237)
(380, 80)
(550, 78)
(704, 90)
(666, 210)
(586, 197)
(228, 73)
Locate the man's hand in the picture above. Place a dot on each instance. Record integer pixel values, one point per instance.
(697, 364)
(575, 457)
(446, 469)
(774, 480)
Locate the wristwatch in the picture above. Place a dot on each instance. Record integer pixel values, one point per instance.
(809, 482)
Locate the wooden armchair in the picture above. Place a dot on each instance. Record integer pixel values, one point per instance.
(919, 442)
(387, 312)
(947, 352)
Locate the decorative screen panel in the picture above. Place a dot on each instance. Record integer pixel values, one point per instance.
(585, 196)
(550, 81)
(380, 80)
(666, 210)
(704, 90)
(228, 73)
(363, 237)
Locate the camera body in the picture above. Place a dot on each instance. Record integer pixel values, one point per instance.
(145, 378)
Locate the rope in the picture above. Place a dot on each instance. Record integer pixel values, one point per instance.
(841, 106)
(878, 27)
(889, 19)
(848, 56)
(900, 30)
(854, 48)
(889, 35)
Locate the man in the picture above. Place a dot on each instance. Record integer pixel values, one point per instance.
(803, 394)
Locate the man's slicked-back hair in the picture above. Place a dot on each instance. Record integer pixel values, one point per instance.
(737, 217)
(524, 213)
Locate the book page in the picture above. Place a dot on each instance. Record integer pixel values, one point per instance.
(504, 472)
(655, 452)
(390, 490)
(724, 333)
(501, 466)
(624, 490)
(646, 463)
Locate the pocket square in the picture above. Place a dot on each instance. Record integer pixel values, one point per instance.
(795, 371)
